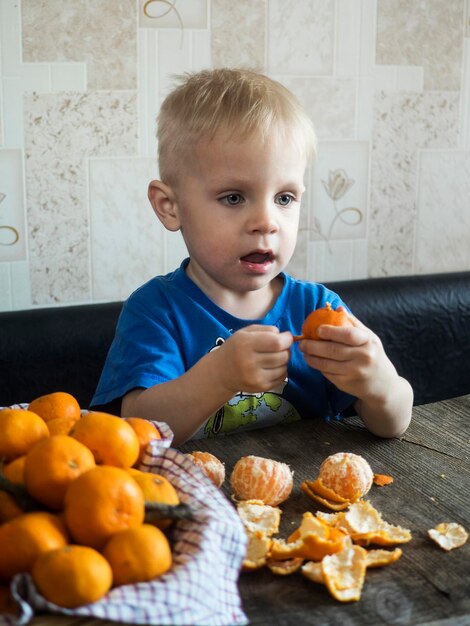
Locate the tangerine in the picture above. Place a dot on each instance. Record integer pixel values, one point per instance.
(258, 478)
(145, 431)
(72, 576)
(210, 465)
(52, 464)
(56, 404)
(325, 315)
(111, 439)
(61, 425)
(157, 488)
(14, 470)
(20, 429)
(348, 475)
(24, 538)
(9, 508)
(138, 554)
(101, 502)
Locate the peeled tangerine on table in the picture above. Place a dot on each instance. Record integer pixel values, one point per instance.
(343, 478)
(257, 478)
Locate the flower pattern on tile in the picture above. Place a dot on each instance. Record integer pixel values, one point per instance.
(8, 234)
(62, 130)
(337, 186)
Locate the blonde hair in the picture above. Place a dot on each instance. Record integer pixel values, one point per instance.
(240, 102)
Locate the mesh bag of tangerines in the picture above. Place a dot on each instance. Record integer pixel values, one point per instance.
(101, 517)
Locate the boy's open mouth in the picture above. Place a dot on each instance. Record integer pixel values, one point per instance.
(258, 257)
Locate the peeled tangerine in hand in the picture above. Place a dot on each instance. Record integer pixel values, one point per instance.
(343, 478)
(325, 315)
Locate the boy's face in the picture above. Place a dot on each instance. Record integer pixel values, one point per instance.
(238, 207)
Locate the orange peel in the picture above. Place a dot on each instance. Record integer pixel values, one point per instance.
(284, 567)
(329, 504)
(344, 573)
(448, 535)
(257, 551)
(313, 540)
(364, 524)
(381, 480)
(257, 516)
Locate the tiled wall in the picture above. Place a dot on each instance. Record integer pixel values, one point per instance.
(387, 83)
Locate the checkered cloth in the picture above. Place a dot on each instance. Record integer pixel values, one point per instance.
(201, 587)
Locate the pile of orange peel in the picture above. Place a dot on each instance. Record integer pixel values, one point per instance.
(333, 549)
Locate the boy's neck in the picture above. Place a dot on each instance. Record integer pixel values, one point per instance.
(249, 305)
(252, 305)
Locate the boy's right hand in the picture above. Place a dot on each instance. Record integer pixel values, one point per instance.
(254, 359)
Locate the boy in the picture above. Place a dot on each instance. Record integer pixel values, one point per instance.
(209, 348)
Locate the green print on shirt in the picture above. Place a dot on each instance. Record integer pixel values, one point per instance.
(244, 410)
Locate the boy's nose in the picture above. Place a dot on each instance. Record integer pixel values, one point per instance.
(263, 219)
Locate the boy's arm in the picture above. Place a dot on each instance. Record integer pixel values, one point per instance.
(354, 360)
(253, 359)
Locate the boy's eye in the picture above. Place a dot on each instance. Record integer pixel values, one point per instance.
(285, 199)
(232, 199)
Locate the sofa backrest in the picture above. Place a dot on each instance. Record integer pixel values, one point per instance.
(423, 322)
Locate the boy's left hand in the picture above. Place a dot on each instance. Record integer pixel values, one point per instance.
(352, 358)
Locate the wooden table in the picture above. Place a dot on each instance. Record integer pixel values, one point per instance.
(430, 464)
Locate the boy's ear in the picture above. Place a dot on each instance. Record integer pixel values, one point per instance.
(164, 204)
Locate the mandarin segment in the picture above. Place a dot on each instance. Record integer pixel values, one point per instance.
(72, 576)
(259, 478)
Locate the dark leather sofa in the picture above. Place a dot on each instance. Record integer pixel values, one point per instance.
(423, 322)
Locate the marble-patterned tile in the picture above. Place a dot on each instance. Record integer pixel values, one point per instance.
(126, 236)
(467, 18)
(238, 35)
(177, 14)
(101, 34)
(62, 130)
(301, 37)
(427, 33)
(174, 58)
(12, 210)
(404, 123)
(330, 102)
(443, 220)
(340, 191)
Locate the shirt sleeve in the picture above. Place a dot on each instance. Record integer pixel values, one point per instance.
(146, 350)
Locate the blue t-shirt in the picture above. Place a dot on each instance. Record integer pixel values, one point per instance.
(168, 324)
